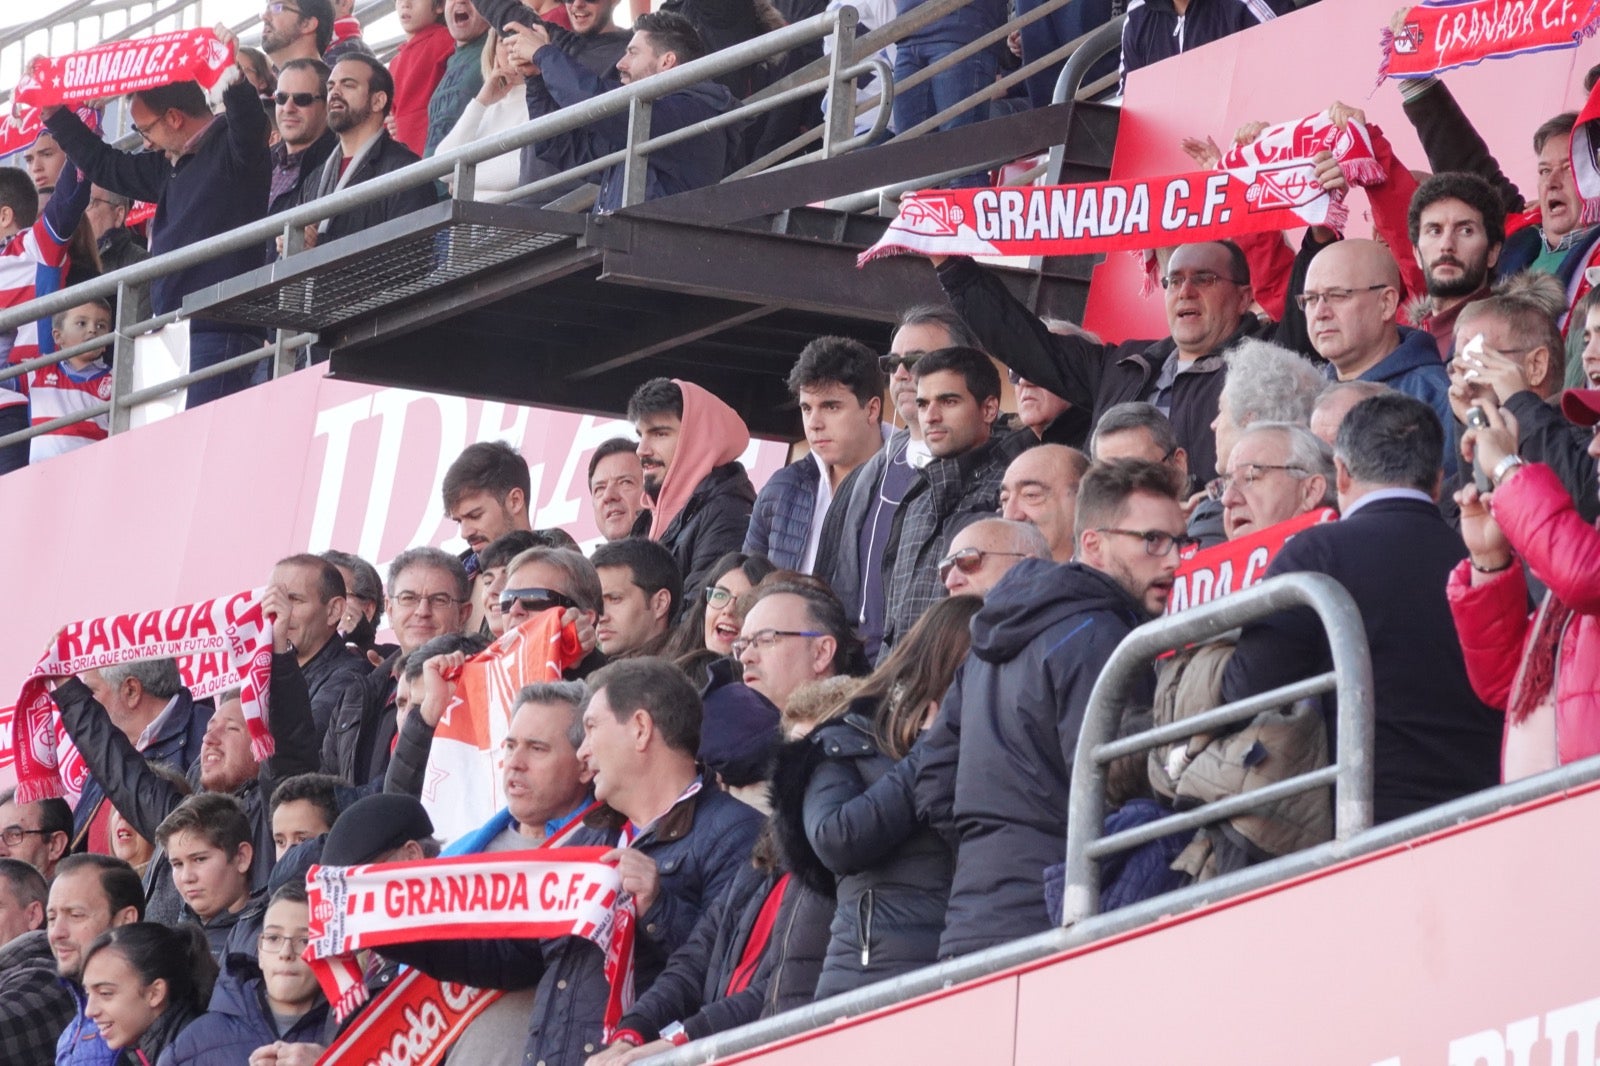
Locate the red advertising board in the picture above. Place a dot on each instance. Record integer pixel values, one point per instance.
(203, 503)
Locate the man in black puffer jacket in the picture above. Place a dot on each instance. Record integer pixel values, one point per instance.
(993, 772)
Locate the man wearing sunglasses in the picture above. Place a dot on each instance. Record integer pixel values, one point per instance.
(995, 768)
(304, 139)
(985, 552)
(542, 578)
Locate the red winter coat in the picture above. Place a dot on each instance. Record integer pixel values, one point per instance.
(1563, 551)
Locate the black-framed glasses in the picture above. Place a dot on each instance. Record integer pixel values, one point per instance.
(892, 362)
(300, 99)
(717, 596)
(274, 943)
(1249, 474)
(1157, 542)
(534, 600)
(144, 131)
(1334, 297)
(439, 601)
(1200, 279)
(14, 834)
(970, 560)
(766, 638)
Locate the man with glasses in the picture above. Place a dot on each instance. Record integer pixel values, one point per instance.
(1208, 298)
(38, 833)
(994, 770)
(304, 139)
(429, 595)
(542, 578)
(984, 552)
(1393, 552)
(296, 29)
(1274, 472)
(794, 634)
(117, 245)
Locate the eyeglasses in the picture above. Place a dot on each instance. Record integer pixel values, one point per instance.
(766, 638)
(1157, 542)
(1334, 297)
(717, 596)
(103, 202)
(278, 7)
(13, 834)
(890, 363)
(273, 943)
(144, 131)
(1016, 379)
(970, 560)
(1249, 474)
(534, 600)
(1200, 279)
(300, 99)
(439, 601)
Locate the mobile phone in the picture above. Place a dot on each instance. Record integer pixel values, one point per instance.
(1480, 477)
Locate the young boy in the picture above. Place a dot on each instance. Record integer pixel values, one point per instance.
(417, 69)
(207, 841)
(73, 385)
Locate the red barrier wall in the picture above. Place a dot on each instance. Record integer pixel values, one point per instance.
(1295, 66)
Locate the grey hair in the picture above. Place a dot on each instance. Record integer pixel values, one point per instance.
(1021, 537)
(435, 559)
(572, 693)
(1307, 451)
(1135, 415)
(159, 677)
(1269, 383)
(1364, 390)
(944, 316)
(583, 581)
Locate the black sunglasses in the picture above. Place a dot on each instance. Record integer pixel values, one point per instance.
(534, 600)
(300, 99)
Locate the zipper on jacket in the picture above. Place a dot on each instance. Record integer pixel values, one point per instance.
(864, 923)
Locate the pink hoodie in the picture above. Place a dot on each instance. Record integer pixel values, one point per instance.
(712, 434)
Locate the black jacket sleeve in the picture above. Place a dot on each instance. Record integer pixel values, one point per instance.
(294, 734)
(141, 175)
(852, 828)
(932, 766)
(677, 992)
(1452, 143)
(144, 797)
(408, 766)
(508, 965)
(1291, 332)
(1544, 436)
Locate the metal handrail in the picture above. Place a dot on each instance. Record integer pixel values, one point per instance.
(1350, 680)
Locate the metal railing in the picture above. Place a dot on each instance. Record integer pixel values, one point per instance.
(1098, 746)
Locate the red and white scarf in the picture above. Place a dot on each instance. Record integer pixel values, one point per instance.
(120, 67)
(529, 895)
(220, 644)
(1438, 35)
(1267, 185)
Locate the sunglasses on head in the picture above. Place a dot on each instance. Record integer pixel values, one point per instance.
(534, 600)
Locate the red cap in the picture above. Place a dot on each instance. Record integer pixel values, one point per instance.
(1581, 406)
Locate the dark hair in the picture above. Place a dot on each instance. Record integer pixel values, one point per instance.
(502, 550)
(58, 319)
(554, 537)
(975, 368)
(1560, 125)
(1105, 490)
(1471, 190)
(214, 817)
(315, 66)
(1591, 77)
(671, 32)
(322, 11)
(367, 584)
(468, 644)
(657, 688)
(918, 671)
(944, 316)
(319, 790)
(826, 612)
(1392, 439)
(651, 567)
(608, 448)
(658, 395)
(330, 583)
(17, 192)
(572, 693)
(492, 466)
(184, 96)
(27, 884)
(119, 881)
(1136, 414)
(379, 80)
(55, 816)
(177, 954)
(1238, 262)
(290, 892)
(433, 558)
(690, 635)
(838, 361)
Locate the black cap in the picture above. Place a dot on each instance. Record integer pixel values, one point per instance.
(374, 826)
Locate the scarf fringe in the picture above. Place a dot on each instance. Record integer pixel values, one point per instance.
(1364, 172)
(32, 791)
(1386, 50)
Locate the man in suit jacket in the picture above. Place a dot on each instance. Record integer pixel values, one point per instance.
(1392, 552)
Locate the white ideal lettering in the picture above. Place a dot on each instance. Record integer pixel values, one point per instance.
(1113, 209)
(1216, 196)
(985, 208)
(1088, 221)
(1139, 210)
(1173, 213)
(1062, 204)
(1011, 220)
(1039, 217)
(1555, 13)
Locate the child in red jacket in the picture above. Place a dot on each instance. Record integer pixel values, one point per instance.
(417, 69)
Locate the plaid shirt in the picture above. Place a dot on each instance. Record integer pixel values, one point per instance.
(34, 1005)
(947, 495)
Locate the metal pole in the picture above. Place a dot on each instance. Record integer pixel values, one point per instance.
(839, 122)
(122, 358)
(635, 167)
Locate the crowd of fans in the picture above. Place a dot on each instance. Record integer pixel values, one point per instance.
(837, 716)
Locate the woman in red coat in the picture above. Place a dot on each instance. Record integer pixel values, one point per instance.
(1543, 670)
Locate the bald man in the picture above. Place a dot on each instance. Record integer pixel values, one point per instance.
(981, 554)
(1040, 487)
(1352, 304)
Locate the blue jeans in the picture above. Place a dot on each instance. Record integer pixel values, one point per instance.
(1054, 30)
(210, 348)
(13, 419)
(922, 102)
